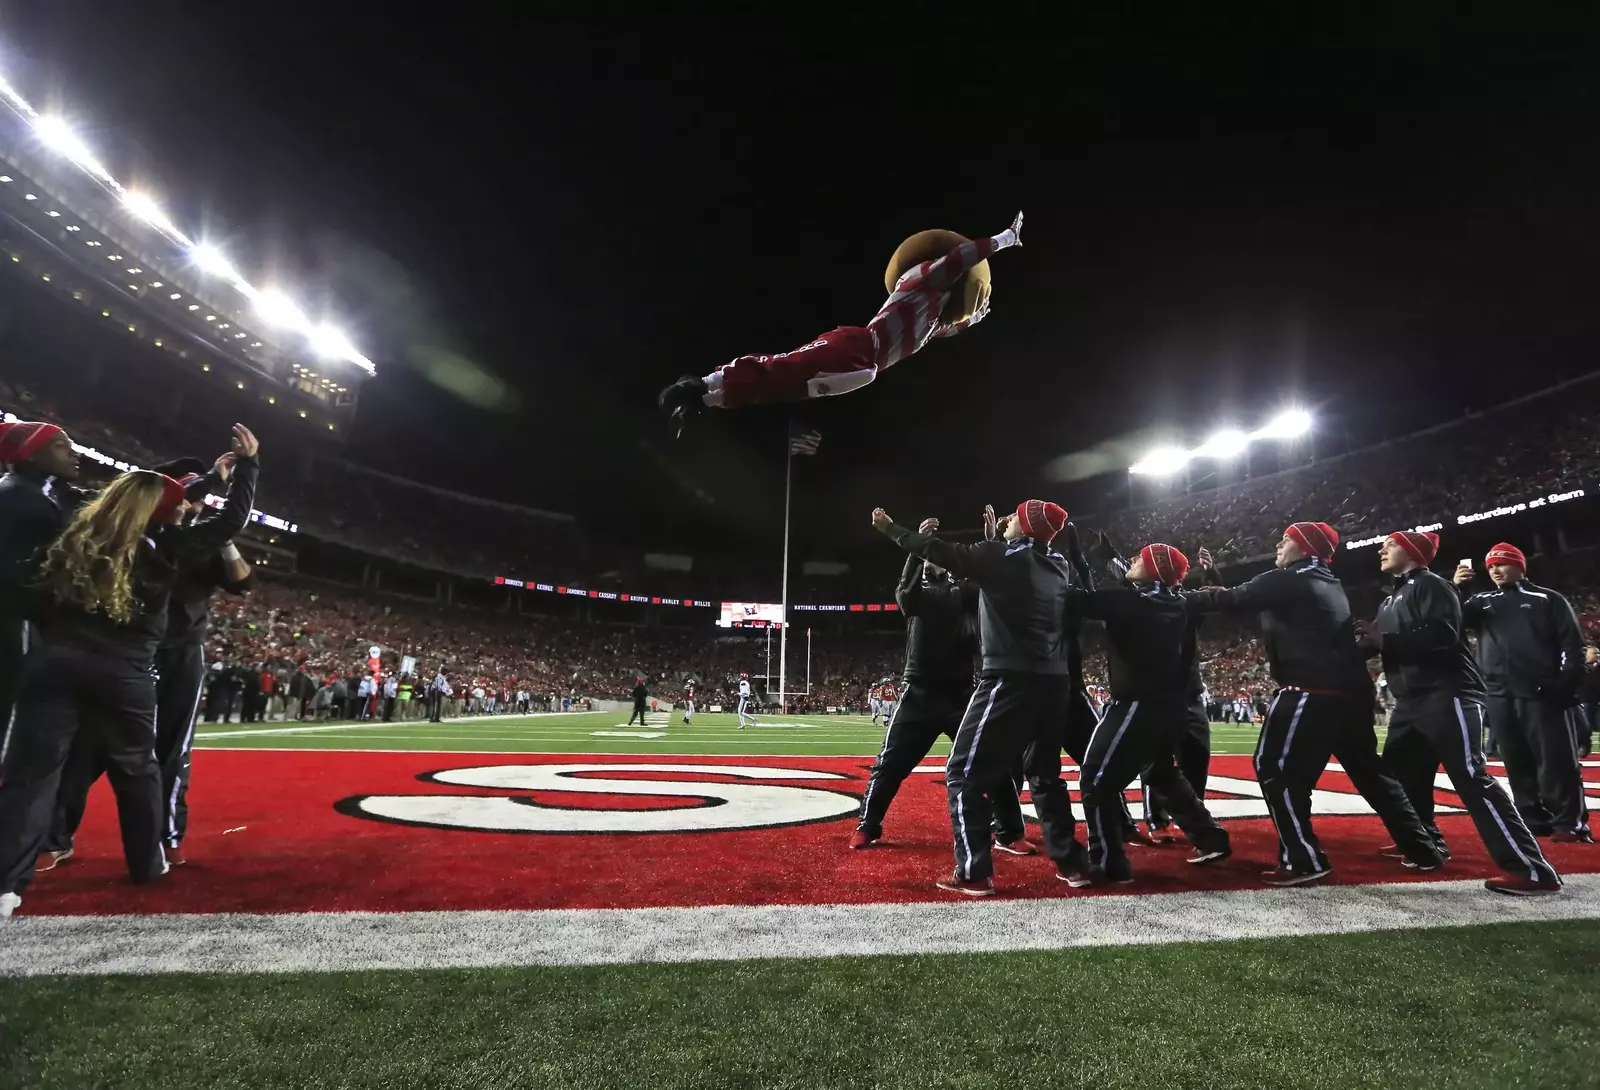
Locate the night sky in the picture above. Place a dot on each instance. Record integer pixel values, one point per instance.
(1384, 223)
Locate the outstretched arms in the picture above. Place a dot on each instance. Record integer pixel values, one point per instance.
(966, 561)
(949, 269)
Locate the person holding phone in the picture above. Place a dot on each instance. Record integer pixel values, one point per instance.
(1531, 655)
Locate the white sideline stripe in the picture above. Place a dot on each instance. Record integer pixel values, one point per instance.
(342, 941)
(374, 724)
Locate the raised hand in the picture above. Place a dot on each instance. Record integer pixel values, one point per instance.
(245, 444)
(224, 466)
(1463, 574)
(881, 519)
(1203, 557)
(928, 526)
(1016, 228)
(990, 523)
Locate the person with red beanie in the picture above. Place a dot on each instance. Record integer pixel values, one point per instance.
(1323, 706)
(33, 511)
(1439, 709)
(1531, 654)
(103, 592)
(180, 674)
(1152, 650)
(1024, 696)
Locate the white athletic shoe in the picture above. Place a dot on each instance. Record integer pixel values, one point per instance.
(9, 902)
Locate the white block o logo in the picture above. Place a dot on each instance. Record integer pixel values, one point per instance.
(709, 807)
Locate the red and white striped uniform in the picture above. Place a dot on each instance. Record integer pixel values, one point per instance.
(849, 357)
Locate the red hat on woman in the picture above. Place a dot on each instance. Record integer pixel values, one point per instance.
(1314, 538)
(1040, 519)
(1167, 564)
(1506, 553)
(171, 497)
(1421, 547)
(28, 438)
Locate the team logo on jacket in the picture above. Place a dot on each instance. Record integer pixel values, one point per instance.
(719, 799)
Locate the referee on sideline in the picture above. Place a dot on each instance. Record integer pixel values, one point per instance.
(1022, 701)
(1530, 652)
(940, 640)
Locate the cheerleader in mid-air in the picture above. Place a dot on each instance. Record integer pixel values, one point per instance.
(938, 284)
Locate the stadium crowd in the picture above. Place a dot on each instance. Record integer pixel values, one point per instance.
(308, 636)
(1536, 447)
(323, 631)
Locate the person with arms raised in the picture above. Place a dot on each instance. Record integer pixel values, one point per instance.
(105, 585)
(1024, 693)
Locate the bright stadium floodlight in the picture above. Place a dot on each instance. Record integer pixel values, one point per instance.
(1227, 443)
(1161, 462)
(330, 342)
(59, 138)
(1290, 424)
(145, 207)
(280, 310)
(212, 261)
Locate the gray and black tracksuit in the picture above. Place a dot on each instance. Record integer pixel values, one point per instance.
(1530, 652)
(1151, 653)
(1024, 696)
(180, 680)
(941, 641)
(1323, 707)
(95, 675)
(30, 519)
(1588, 707)
(1438, 718)
(1194, 739)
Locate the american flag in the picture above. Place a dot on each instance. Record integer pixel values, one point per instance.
(804, 441)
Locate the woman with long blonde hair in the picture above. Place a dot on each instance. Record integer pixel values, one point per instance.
(102, 608)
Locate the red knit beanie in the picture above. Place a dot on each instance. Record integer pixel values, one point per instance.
(171, 497)
(195, 486)
(1167, 564)
(1314, 538)
(1506, 553)
(1421, 547)
(27, 439)
(1041, 519)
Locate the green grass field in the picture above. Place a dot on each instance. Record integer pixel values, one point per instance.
(1496, 1007)
(607, 732)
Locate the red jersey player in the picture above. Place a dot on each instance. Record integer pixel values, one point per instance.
(849, 357)
(688, 702)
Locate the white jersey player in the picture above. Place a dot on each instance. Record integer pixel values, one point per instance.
(688, 702)
(745, 701)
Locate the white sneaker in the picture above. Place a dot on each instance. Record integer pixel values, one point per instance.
(9, 903)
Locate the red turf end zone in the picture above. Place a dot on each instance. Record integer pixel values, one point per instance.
(290, 831)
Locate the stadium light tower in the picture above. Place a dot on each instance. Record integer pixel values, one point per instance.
(1224, 445)
(56, 135)
(1290, 424)
(1161, 462)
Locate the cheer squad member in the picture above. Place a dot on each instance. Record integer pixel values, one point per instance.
(103, 596)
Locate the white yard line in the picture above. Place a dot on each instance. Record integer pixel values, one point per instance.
(312, 942)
